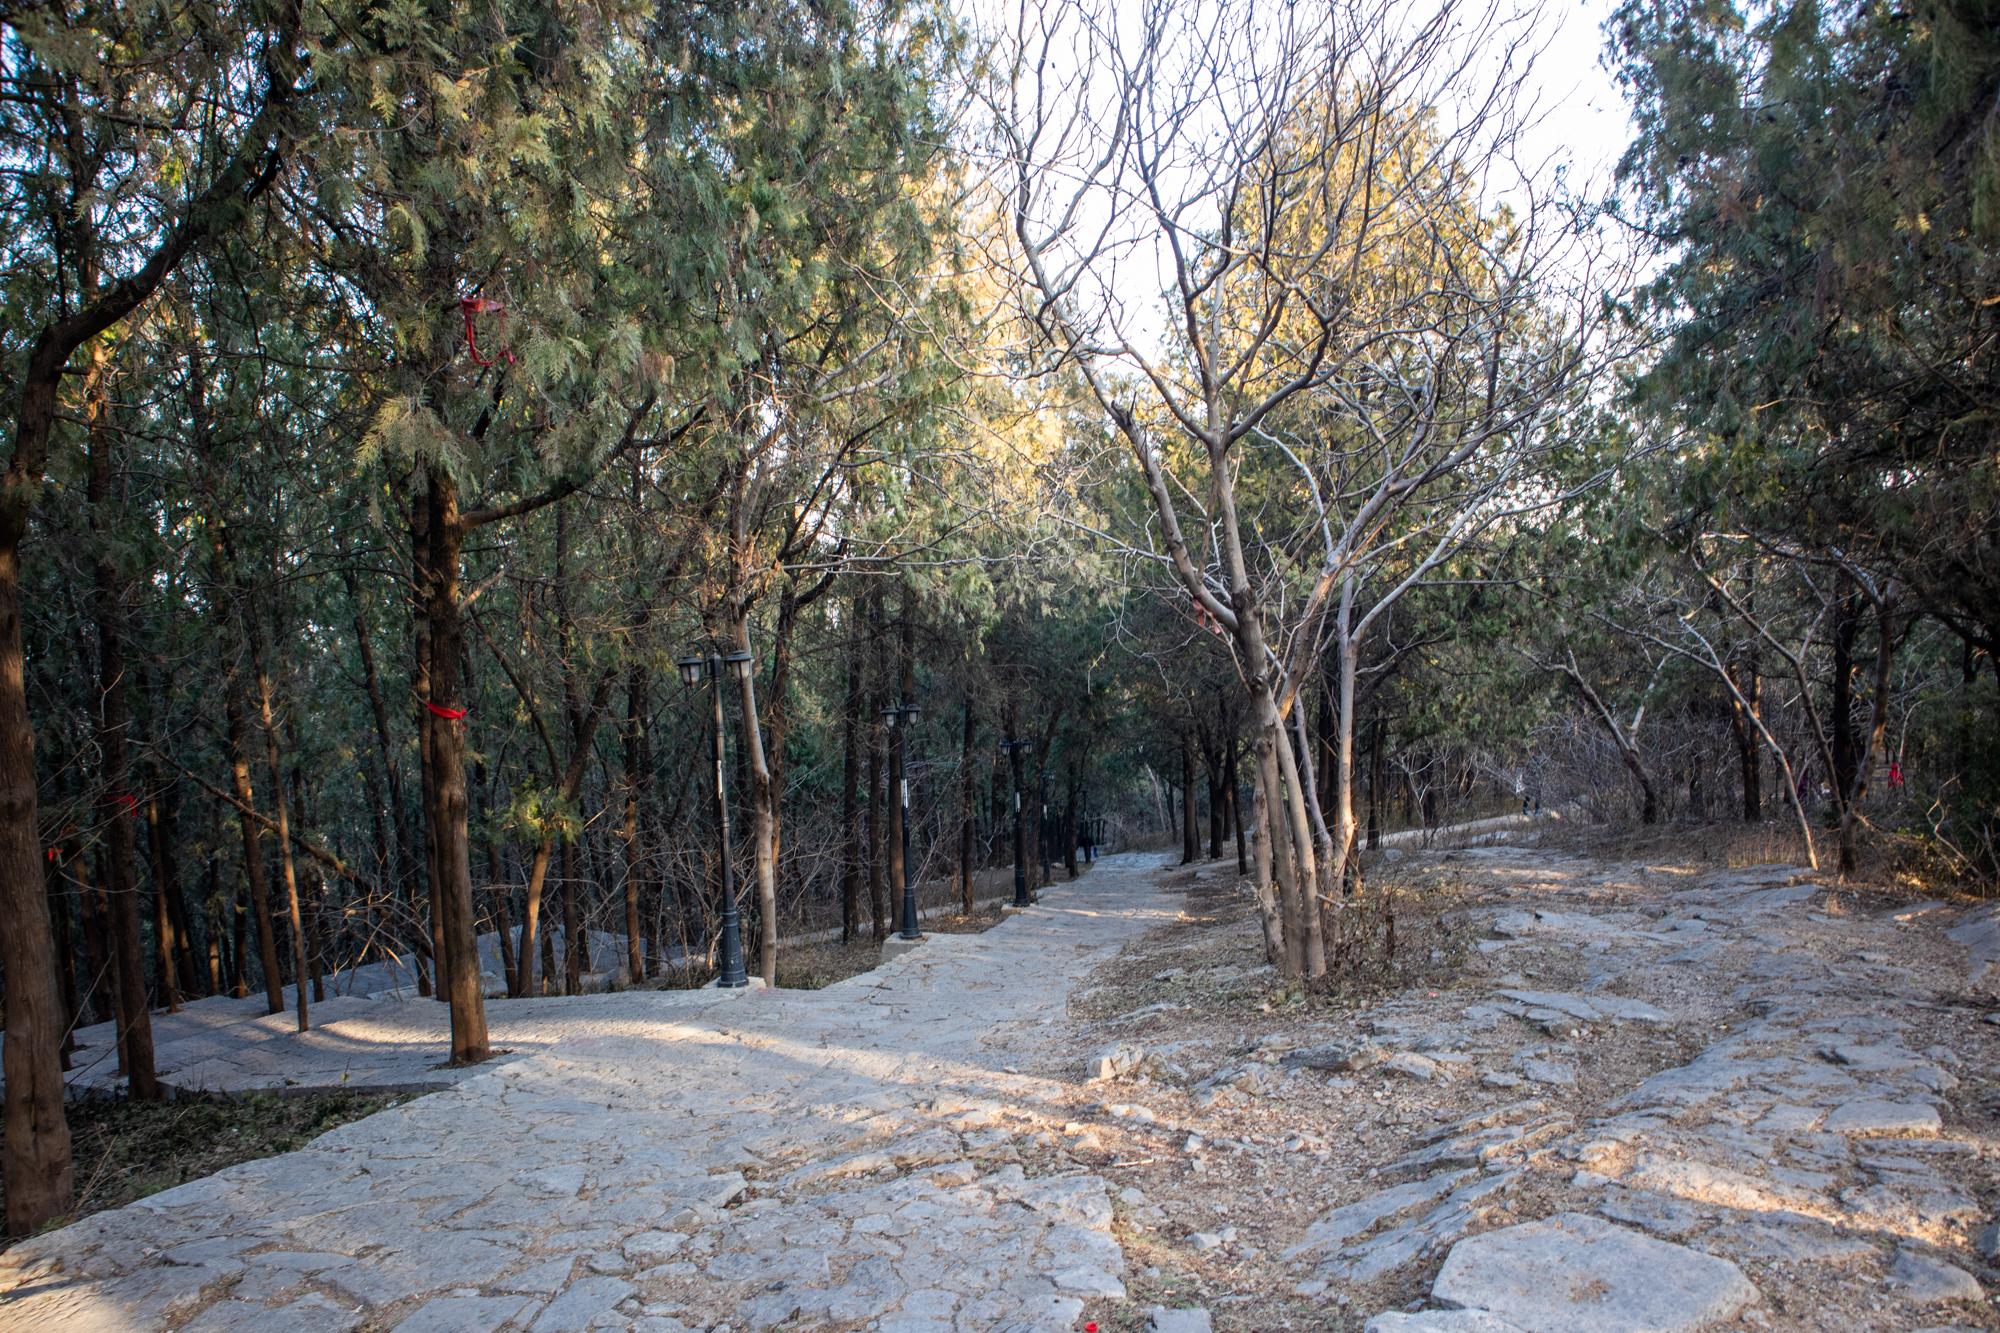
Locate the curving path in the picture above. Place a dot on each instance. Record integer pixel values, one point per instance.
(665, 1161)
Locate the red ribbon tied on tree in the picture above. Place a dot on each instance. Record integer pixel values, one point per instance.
(473, 306)
(127, 803)
(448, 714)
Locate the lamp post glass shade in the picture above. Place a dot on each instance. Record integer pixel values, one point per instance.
(737, 662)
(690, 668)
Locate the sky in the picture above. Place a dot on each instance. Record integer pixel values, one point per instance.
(1588, 120)
(1580, 120)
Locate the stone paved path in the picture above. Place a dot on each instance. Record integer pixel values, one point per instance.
(661, 1161)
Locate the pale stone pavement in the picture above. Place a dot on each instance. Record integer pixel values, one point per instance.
(660, 1161)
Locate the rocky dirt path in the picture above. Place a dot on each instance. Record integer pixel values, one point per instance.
(845, 1158)
(1606, 1097)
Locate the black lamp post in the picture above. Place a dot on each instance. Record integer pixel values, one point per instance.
(734, 664)
(899, 718)
(1013, 749)
(1048, 834)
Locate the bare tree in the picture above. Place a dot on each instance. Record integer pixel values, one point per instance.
(1346, 316)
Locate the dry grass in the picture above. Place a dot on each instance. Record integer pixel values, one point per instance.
(1898, 864)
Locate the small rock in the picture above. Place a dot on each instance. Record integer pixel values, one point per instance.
(1089, 1282)
(1872, 1116)
(1163, 1320)
(1115, 1063)
(1411, 1065)
(1548, 1072)
(1574, 1271)
(1127, 1111)
(1339, 1055)
(1927, 1281)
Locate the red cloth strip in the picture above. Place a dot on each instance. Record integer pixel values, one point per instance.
(448, 714)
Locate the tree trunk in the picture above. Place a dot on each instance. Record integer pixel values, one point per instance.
(574, 944)
(1190, 824)
(167, 940)
(458, 965)
(58, 863)
(1236, 806)
(531, 920)
(423, 574)
(396, 871)
(1375, 785)
(1069, 826)
(635, 717)
(267, 714)
(253, 843)
(851, 851)
(1871, 744)
(1749, 753)
(763, 811)
(1340, 874)
(117, 805)
(968, 740)
(878, 699)
(1846, 627)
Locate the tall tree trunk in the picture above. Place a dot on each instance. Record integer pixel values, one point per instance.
(573, 944)
(36, 1157)
(239, 946)
(117, 805)
(458, 966)
(1871, 744)
(1069, 824)
(502, 891)
(1375, 783)
(851, 850)
(1749, 753)
(423, 574)
(1190, 824)
(58, 863)
(899, 869)
(252, 832)
(635, 860)
(99, 1003)
(1846, 627)
(396, 870)
(1218, 809)
(169, 946)
(968, 740)
(1341, 873)
(312, 898)
(763, 812)
(878, 854)
(1236, 804)
(267, 714)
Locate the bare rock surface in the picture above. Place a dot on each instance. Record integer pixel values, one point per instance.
(1574, 1273)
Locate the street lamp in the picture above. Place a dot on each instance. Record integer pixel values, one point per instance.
(716, 666)
(1013, 749)
(1048, 834)
(899, 718)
